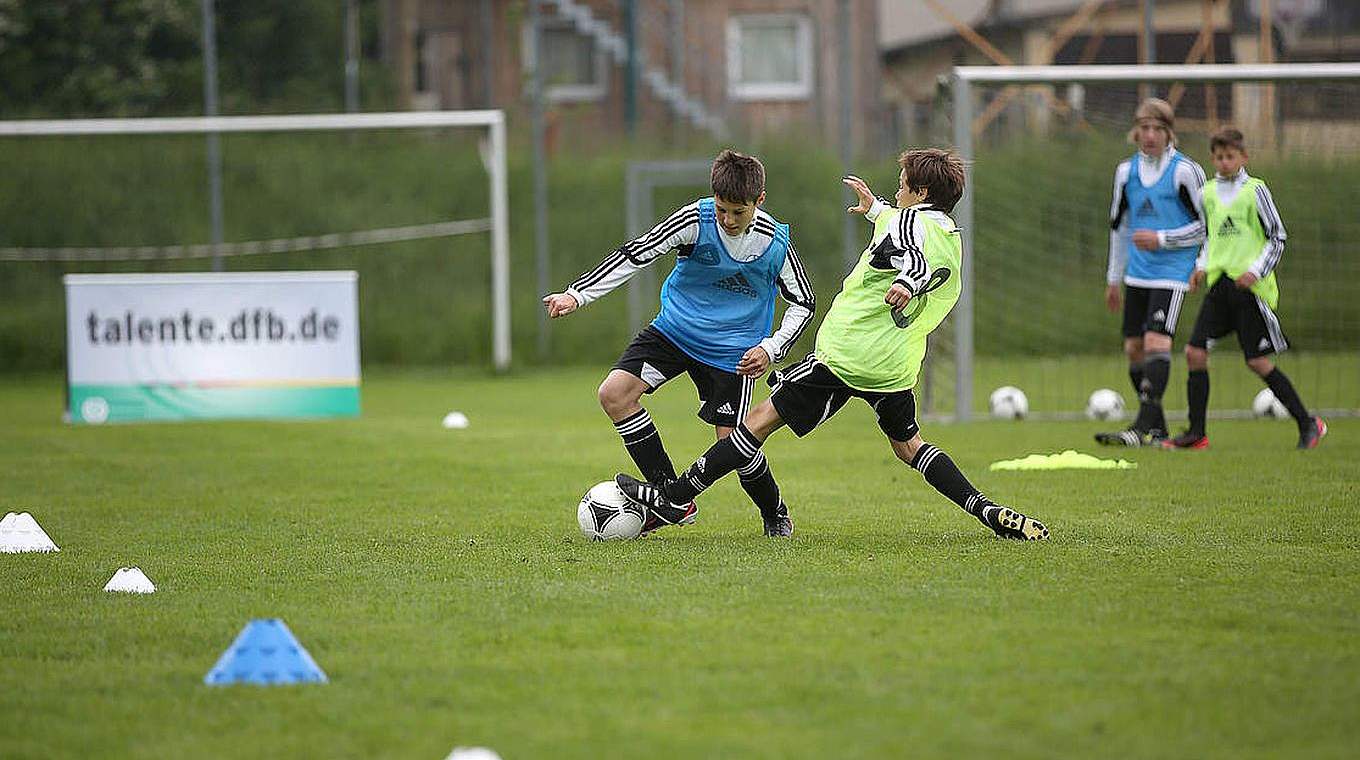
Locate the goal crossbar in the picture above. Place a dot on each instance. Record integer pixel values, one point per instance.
(494, 160)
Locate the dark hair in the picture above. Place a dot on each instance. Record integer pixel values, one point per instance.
(1227, 137)
(940, 172)
(737, 177)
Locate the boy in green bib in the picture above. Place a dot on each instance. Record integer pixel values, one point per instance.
(870, 346)
(1246, 241)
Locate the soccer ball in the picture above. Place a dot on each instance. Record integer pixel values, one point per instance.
(1008, 403)
(1105, 404)
(1266, 405)
(605, 514)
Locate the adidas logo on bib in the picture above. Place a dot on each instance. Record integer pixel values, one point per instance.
(1229, 227)
(1147, 209)
(736, 284)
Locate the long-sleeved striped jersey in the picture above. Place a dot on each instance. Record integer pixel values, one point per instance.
(680, 232)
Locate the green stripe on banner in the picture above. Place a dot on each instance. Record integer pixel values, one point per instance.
(96, 404)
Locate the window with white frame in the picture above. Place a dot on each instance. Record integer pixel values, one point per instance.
(769, 57)
(573, 66)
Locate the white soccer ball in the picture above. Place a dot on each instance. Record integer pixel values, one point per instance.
(1105, 404)
(605, 514)
(1266, 405)
(455, 421)
(1008, 403)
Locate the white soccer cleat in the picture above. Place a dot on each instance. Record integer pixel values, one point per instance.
(19, 532)
(130, 580)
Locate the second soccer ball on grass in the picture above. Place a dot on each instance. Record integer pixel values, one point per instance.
(1008, 403)
(1105, 404)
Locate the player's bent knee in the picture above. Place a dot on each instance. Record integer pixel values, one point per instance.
(618, 395)
(1196, 358)
(1261, 365)
(1156, 343)
(763, 419)
(906, 450)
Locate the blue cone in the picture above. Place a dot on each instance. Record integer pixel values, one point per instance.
(265, 653)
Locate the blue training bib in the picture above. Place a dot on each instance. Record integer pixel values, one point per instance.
(715, 308)
(1158, 208)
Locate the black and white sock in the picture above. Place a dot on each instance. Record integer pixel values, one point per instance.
(1284, 391)
(1156, 373)
(760, 485)
(738, 449)
(643, 442)
(944, 476)
(1136, 377)
(1197, 394)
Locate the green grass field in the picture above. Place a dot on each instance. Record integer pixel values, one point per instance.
(1204, 605)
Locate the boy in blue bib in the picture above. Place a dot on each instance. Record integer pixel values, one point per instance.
(1156, 230)
(717, 309)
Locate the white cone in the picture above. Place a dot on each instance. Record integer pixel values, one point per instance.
(21, 533)
(130, 580)
(455, 421)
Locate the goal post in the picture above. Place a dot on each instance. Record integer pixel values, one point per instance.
(981, 93)
(493, 159)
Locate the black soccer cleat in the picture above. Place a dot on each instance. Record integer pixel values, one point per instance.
(1131, 437)
(778, 525)
(660, 511)
(1311, 436)
(1007, 523)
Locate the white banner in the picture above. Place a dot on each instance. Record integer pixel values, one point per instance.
(193, 345)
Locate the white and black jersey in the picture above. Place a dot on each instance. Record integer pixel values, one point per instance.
(1189, 179)
(902, 248)
(680, 231)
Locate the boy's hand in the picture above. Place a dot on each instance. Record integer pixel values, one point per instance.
(559, 305)
(1112, 297)
(1246, 280)
(754, 362)
(1146, 240)
(1196, 280)
(866, 198)
(897, 297)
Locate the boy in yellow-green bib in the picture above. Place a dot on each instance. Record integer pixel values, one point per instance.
(870, 346)
(1245, 243)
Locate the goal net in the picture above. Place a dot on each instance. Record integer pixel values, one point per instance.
(416, 203)
(1043, 144)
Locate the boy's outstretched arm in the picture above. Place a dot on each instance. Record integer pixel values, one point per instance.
(678, 229)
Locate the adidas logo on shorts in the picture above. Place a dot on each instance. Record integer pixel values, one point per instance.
(726, 408)
(1263, 345)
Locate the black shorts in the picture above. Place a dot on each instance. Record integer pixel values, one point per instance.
(1151, 310)
(808, 393)
(1227, 309)
(653, 358)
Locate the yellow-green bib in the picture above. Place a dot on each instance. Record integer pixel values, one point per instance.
(1236, 238)
(865, 343)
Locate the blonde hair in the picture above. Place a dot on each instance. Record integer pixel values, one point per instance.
(1155, 110)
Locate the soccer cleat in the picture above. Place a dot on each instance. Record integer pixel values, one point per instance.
(1311, 436)
(1132, 437)
(660, 511)
(1007, 523)
(654, 522)
(1187, 440)
(779, 525)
